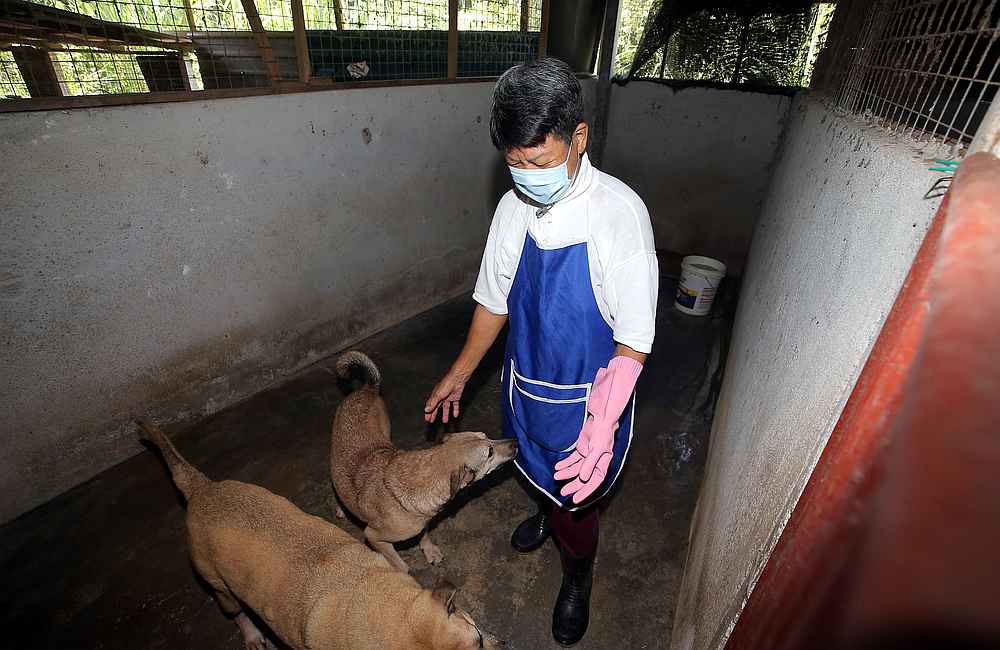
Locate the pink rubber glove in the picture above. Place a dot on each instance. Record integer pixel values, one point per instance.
(589, 462)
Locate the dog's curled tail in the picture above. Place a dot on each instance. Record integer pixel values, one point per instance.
(187, 479)
(355, 366)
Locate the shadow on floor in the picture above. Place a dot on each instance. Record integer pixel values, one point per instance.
(106, 566)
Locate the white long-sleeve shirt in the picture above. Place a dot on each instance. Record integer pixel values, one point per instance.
(603, 212)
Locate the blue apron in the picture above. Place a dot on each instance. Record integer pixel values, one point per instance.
(557, 342)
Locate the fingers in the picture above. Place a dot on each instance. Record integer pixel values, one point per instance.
(433, 402)
(589, 464)
(582, 488)
(597, 478)
(571, 488)
(570, 460)
(450, 409)
(568, 472)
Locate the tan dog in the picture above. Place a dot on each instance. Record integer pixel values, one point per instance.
(397, 492)
(316, 586)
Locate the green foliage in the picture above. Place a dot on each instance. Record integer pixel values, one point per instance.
(11, 82)
(630, 27)
(777, 48)
(228, 15)
(87, 71)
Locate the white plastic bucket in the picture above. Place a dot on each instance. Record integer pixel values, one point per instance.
(700, 279)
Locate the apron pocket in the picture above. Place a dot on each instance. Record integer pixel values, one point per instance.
(550, 415)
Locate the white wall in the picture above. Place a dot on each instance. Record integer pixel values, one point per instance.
(843, 219)
(700, 158)
(172, 259)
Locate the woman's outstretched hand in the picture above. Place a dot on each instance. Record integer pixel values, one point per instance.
(445, 397)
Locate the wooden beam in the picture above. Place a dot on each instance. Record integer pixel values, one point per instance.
(263, 45)
(452, 39)
(26, 20)
(132, 99)
(55, 42)
(543, 36)
(338, 15)
(38, 72)
(525, 15)
(301, 41)
(189, 12)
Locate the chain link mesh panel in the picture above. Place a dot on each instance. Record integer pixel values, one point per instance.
(925, 68)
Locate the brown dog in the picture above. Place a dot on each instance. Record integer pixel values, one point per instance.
(397, 492)
(315, 585)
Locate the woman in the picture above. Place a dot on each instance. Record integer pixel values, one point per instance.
(570, 264)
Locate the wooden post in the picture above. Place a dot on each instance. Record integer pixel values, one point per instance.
(37, 70)
(263, 45)
(189, 12)
(525, 15)
(338, 15)
(543, 36)
(452, 39)
(301, 41)
(609, 45)
(988, 136)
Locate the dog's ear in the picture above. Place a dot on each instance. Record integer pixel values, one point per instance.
(464, 435)
(460, 478)
(445, 592)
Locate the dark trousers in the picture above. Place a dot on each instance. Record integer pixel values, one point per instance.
(577, 532)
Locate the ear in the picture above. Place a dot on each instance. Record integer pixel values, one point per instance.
(581, 134)
(444, 592)
(464, 435)
(460, 478)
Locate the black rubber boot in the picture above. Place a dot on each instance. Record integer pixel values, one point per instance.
(572, 612)
(532, 532)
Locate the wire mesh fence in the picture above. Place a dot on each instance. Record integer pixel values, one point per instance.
(496, 34)
(376, 41)
(927, 68)
(62, 48)
(12, 84)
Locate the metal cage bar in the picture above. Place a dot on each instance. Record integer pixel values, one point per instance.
(926, 68)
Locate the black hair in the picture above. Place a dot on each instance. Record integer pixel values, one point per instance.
(532, 100)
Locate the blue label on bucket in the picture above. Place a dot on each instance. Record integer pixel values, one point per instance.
(686, 297)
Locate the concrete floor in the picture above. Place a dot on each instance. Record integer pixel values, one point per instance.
(105, 565)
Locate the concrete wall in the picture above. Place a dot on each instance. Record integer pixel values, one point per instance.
(843, 219)
(172, 259)
(701, 158)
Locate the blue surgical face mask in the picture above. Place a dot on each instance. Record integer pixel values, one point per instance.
(546, 185)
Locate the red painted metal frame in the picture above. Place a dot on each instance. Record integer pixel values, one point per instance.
(895, 541)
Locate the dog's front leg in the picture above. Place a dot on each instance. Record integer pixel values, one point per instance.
(253, 638)
(431, 551)
(387, 550)
(338, 509)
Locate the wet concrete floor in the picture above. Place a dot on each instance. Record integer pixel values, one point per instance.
(106, 566)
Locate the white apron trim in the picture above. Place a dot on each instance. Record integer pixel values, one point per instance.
(621, 466)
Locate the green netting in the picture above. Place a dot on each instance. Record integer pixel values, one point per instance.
(767, 42)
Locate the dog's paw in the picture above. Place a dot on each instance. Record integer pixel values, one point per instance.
(432, 553)
(253, 639)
